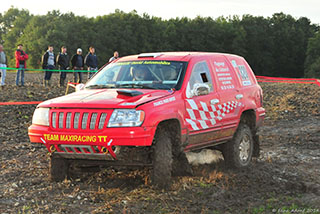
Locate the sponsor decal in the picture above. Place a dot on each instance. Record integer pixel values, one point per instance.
(225, 80)
(165, 101)
(219, 64)
(75, 138)
(144, 63)
(244, 75)
(247, 82)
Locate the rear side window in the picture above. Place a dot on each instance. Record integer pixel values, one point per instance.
(243, 71)
(201, 74)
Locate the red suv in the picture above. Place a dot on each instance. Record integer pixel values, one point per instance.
(150, 109)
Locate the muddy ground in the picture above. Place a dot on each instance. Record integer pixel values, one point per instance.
(286, 177)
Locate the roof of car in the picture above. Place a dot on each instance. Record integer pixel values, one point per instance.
(174, 56)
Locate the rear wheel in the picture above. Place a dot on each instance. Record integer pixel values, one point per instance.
(162, 160)
(59, 168)
(238, 152)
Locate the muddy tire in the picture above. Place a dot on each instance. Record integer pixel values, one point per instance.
(162, 160)
(180, 165)
(59, 168)
(238, 152)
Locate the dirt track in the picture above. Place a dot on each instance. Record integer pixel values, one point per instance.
(286, 177)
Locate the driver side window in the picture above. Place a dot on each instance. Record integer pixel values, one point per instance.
(200, 74)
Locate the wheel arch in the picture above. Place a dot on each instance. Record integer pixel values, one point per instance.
(248, 117)
(172, 126)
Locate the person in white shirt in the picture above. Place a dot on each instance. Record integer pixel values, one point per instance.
(3, 64)
(115, 56)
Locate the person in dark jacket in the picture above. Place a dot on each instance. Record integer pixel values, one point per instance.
(48, 63)
(64, 64)
(77, 63)
(21, 58)
(91, 62)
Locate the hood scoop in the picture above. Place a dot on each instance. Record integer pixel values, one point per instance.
(131, 93)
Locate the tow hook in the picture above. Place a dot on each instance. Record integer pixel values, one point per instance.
(104, 150)
(52, 148)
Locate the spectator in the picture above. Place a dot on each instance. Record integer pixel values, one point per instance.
(115, 56)
(21, 58)
(77, 62)
(48, 63)
(3, 64)
(64, 64)
(91, 61)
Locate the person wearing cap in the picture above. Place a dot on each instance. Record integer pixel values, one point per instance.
(21, 58)
(77, 62)
(48, 63)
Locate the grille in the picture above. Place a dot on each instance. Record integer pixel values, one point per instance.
(61, 120)
(78, 120)
(84, 120)
(93, 120)
(54, 117)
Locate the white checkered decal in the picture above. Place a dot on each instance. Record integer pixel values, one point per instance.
(207, 115)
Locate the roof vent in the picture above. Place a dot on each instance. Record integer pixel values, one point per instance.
(146, 55)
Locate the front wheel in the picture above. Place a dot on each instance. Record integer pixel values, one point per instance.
(238, 152)
(162, 159)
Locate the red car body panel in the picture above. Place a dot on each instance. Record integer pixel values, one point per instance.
(202, 122)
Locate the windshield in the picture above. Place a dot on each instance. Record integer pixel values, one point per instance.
(140, 74)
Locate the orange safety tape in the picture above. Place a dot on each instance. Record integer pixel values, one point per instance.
(20, 103)
(288, 80)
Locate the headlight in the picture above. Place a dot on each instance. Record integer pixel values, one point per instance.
(41, 116)
(126, 118)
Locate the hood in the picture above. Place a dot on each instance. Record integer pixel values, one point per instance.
(106, 98)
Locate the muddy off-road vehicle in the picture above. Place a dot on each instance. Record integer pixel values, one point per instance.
(150, 109)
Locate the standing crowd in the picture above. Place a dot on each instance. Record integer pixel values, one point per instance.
(52, 63)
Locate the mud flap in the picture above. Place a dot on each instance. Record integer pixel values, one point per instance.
(256, 146)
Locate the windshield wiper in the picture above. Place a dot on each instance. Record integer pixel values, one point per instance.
(162, 86)
(99, 86)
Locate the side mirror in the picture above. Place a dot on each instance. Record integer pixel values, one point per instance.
(200, 89)
(80, 87)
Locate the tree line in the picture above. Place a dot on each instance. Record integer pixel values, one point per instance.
(280, 45)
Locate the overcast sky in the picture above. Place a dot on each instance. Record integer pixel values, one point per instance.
(173, 8)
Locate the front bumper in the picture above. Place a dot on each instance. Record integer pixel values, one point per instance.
(77, 144)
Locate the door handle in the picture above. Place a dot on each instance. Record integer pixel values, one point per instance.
(214, 101)
(239, 96)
